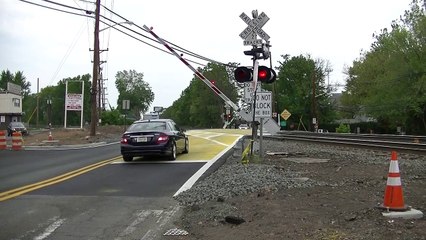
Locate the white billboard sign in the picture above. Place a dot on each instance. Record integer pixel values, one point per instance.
(14, 88)
(74, 102)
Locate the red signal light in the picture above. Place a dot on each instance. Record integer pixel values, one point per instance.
(266, 75)
(243, 74)
(262, 75)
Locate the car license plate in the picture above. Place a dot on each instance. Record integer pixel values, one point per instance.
(141, 139)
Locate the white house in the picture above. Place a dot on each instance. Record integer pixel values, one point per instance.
(10, 105)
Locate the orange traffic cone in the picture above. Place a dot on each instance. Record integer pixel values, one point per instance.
(16, 141)
(50, 136)
(393, 192)
(2, 140)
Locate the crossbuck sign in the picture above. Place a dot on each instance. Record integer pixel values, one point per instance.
(254, 28)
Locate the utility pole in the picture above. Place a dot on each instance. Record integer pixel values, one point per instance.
(38, 101)
(314, 109)
(93, 93)
(100, 90)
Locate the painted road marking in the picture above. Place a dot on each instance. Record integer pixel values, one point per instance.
(162, 218)
(205, 145)
(51, 228)
(120, 161)
(31, 187)
(191, 181)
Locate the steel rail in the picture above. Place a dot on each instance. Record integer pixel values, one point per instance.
(380, 143)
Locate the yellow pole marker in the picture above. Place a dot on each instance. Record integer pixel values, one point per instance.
(244, 156)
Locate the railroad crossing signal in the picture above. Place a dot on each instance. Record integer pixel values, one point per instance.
(264, 74)
(254, 29)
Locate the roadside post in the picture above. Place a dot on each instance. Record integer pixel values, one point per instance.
(260, 50)
(261, 101)
(125, 106)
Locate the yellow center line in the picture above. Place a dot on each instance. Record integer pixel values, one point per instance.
(31, 187)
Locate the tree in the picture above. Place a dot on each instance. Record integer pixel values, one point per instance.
(294, 89)
(198, 105)
(18, 78)
(57, 95)
(388, 82)
(131, 86)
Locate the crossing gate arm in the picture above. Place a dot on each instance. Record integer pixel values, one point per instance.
(197, 73)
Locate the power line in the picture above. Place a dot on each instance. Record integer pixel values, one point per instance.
(63, 5)
(59, 10)
(145, 42)
(67, 54)
(190, 53)
(176, 46)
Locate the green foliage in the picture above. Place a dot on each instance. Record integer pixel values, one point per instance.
(131, 86)
(343, 128)
(112, 117)
(17, 78)
(198, 105)
(294, 89)
(388, 82)
(57, 95)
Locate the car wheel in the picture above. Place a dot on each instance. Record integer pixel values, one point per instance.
(173, 153)
(186, 149)
(127, 158)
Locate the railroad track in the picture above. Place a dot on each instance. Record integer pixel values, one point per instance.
(406, 143)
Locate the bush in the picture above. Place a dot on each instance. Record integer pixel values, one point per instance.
(343, 128)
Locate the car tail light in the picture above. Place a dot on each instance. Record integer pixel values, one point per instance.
(162, 138)
(124, 139)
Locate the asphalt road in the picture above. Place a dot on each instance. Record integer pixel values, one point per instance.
(92, 194)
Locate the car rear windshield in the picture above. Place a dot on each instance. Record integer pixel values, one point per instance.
(16, 124)
(142, 126)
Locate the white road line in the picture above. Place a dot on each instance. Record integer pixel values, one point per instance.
(140, 217)
(166, 162)
(162, 221)
(188, 184)
(208, 139)
(51, 228)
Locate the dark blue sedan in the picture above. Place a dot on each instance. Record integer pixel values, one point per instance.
(154, 137)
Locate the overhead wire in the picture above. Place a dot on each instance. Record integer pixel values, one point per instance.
(140, 40)
(63, 5)
(73, 43)
(67, 53)
(89, 14)
(59, 10)
(175, 46)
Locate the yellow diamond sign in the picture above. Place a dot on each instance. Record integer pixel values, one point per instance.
(285, 114)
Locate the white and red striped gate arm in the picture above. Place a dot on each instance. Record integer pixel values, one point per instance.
(197, 73)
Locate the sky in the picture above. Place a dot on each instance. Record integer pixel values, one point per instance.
(50, 45)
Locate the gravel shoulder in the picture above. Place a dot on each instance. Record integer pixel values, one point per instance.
(288, 196)
(73, 136)
(281, 198)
